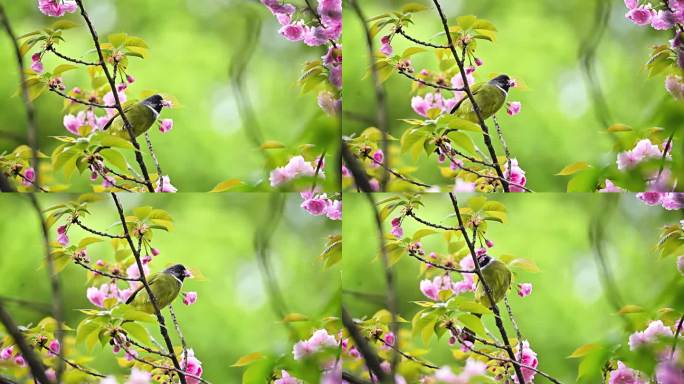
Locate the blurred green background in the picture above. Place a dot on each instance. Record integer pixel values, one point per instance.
(192, 45)
(567, 307)
(214, 235)
(538, 42)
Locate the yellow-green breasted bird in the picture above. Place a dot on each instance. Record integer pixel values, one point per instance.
(489, 96)
(141, 116)
(165, 286)
(497, 276)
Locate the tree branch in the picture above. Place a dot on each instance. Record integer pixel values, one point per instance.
(36, 366)
(143, 280)
(115, 93)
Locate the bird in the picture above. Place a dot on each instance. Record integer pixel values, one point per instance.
(141, 116)
(165, 286)
(497, 276)
(489, 96)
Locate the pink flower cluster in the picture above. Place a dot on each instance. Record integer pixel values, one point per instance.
(654, 330)
(423, 104)
(397, 231)
(285, 378)
(296, 167)
(189, 298)
(516, 176)
(642, 151)
(29, 177)
(625, 375)
(57, 8)
(524, 289)
(192, 366)
(473, 368)
(164, 185)
(319, 341)
(529, 358)
(36, 63)
(668, 200)
(320, 204)
(97, 296)
(645, 14)
(73, 123)
(325, 29)
(432, 288)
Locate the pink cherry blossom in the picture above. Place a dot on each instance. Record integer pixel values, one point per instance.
(379, 156)
(51, 374)
(631, 4)
(6, 353)
(293, 31)
(62, 237)
(165, 125)
(374, 184)
(529, 358)
(611, 187)
(675, 86)
(29, 177)
(285, 378)
(524, 289)
(318, 341)
(625, 375)
(662, 20)
(189, 298)
(193, 367)
(386, 47)
(36, 64)
(316, 205)
(165, 185)
(641, 15)
(154, 251)
(54, 347)
(514, 108)
(463, 186)
(472, 369)
(680, 264)
(334, 210)
(650, 198)
(73, 123)
(57, 8)
(431, 288)
(19, 360)
(515, 176)
(139, 376)
(667, 372)
(654, 330)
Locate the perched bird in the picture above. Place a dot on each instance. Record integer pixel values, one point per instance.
(497, 276)
(165, 286)
(489, 96)
(141, 116)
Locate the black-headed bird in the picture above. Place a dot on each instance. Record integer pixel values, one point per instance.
(141, 116)
(165, 286)
(497, 276)
(489, 96)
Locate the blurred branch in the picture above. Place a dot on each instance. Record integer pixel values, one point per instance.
(369, 356)
(357, 171)
(348, 377)
(111, 80)
(678, 331)
(5, 185)
(359, 117)
(596, 238)
(389, 279)
(33, 360)
(32, 131)
(469, 93)
(55, 286)
(35, 305)
(487, 288)
(380, 97)
(143, 280)
(587, 56)
(262, 244)
(370, 297)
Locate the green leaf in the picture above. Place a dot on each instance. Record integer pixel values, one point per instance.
(86, 241)
(63, 68)
(117, 39)
(114, 141)
(126, 312)
(226, 185)
(248, 359)
(573, 168)
(525, 265)
(413, 8)
(583, 350)
(419, 234)
(473, 322)
(114, 158)
(137, 332)
(272, 144)
(460, 139)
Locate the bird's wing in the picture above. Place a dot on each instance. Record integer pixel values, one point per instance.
(474, 90)
(151, 280)
(109, 123)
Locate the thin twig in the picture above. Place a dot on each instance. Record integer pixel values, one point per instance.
(76, 366)
(52, 49)
(439, 266)
(369, 356)
(397, 174)
(178, 371)
(429, 84)
(676, 336)
(78, 222)
(180, 336)
(124, 177)
(407, 356)
(502, 140)
(117, 102)
(413, 215)
(401, 31)
(79, 101)
(105, 274)
(154, 156)
(515, 326)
